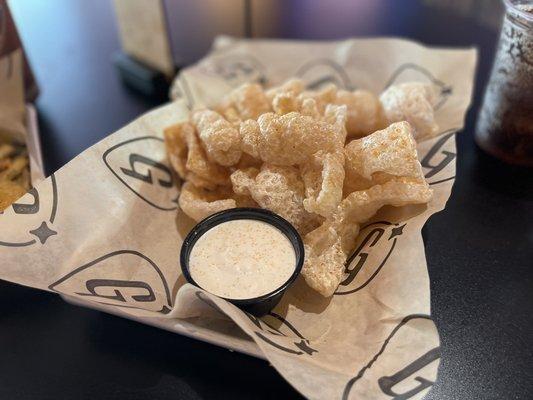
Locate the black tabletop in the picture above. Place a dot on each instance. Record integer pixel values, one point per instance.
(479, 249)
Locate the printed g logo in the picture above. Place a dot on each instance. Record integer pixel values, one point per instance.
(112, 280)
(408, 357)
(136, 163)
(437, 161)
(291, 342)
(323, 71)
(31, 217)
(276, 338)
(378, 241)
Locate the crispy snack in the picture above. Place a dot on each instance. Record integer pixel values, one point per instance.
(285, 150)
(14, 173)
(412, 102)
(230, 113)
(322, 97)
(380, 157)
(292, 86)
(364, 112)
(285, 98)
(220, 139)
(199, 203)
(381, 169)
(328, 246)
(189, 160)
(323, 176)
(361, 205)
(249, 101)
(248, 161)
(286, 102)
(324, 258)
(177, 147)
(310, 109)
(278, 189)
(292, 138)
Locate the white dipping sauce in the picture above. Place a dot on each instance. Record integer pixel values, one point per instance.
(241, 259)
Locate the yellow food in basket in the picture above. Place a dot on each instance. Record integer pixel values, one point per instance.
(14, 173)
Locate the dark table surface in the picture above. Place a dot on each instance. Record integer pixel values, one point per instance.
(479, 250)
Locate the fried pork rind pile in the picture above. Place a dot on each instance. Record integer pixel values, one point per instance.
(14, 173)
(325, 160)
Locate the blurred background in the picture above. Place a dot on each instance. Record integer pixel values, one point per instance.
(81, 52)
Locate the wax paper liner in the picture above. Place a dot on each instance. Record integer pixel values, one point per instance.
(106, 231)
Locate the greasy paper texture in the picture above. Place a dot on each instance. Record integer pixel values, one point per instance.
(105, 230)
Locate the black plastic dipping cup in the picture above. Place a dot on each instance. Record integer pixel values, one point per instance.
(257, 305)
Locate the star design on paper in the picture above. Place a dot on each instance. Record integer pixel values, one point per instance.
(43, 232)
(302, 345)
(396, 231)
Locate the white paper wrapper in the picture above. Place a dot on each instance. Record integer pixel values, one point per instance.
(105, 229)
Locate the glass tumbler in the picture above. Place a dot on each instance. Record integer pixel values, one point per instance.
(505, 123)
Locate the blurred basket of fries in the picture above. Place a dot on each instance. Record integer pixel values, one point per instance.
(20, 152)
(21, 164)
(14, 173)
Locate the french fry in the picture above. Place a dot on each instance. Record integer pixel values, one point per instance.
(15, 169)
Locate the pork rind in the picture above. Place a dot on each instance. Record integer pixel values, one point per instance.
(309, 108)
(328, 246)
(278, 189)
(220, 139)
(249, 101)
(286, 102)
(364, 112)
(285, 150)
(230, 114)
(379, 157)
(248, 161)
(292, 86)
(177, 148)
(199, 203)
(292, 138)
(360, 206)
(322, 97)
(284, 98)
(323, 266)
(381, 169)
(323, 177)
(412, 102)
(188, 158)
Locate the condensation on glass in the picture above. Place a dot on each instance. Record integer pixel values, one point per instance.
(505, 123)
